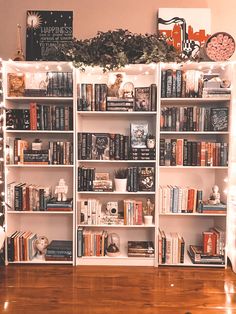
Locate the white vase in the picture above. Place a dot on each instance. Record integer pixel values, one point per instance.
(120, 185)
(148, 220)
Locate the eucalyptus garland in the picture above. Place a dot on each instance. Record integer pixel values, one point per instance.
(114, 49)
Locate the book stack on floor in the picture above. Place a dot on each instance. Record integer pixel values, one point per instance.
(55, 205)
(140, 249)
(59, 250)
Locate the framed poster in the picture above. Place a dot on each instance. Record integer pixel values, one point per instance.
(187, 29)
(45, 30)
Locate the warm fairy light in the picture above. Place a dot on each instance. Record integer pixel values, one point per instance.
(37, 66)
(226, 179)
(146, 73)
(59, 68)
(47, 67)
(2, 193)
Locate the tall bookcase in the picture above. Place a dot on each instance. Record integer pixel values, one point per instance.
(118, 122)
(51, 224)
(202, 177)
(65, 225)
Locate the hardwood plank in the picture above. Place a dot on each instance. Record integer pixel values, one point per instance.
(65, 289)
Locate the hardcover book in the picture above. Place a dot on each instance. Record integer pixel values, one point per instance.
(146, 179)
(219, 119)
(100, 146)
(138, 135)
(142, 99)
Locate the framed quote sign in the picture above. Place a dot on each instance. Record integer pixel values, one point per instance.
(46, 30)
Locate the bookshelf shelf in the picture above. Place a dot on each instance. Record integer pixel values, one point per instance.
(39, 99)
(195, 167)
(193, 214)
(116, 261)
(194, 132)
(188, 263)
(116, 193)
(39, 166)
(195, 100)
(40, 212)
(112, 113)
(38, 261)
(116, 161)
(117, 226)
(39, 132)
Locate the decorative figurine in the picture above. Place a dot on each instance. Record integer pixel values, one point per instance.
(148, 209)
(41, 244)
(61, 190)
(214, 196)
(114, 89)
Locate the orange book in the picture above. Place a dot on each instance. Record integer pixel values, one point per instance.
(33, 116)
(203, 154)
(179, 152)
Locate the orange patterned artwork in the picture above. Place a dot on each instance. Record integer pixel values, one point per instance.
(186, 29)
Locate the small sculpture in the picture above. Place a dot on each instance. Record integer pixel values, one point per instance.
(214, 196)
(61, 190)
(114, 89)
(148, 209)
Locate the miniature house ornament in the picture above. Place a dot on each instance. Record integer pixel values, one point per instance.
(61, 190)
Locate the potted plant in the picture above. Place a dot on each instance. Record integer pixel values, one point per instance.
(151, 141)
(147, 210)
(120, 178)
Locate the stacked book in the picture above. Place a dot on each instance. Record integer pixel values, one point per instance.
(120, 104)
(59, 250)
(216, 92)
(142, 153)
(198, 256)
(140, 249)
(55, 205)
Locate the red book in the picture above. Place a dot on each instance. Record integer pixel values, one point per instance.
(209, 242)
(33, 116)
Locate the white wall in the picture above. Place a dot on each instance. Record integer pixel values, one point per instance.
(91, 16)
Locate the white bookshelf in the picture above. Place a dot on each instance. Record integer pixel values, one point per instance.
(191, 225)
(65, 224)
(56, 225)
(118, 122)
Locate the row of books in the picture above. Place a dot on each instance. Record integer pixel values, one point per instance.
(95, 97)
(20, 246)
(171, 248)
(216, 92)
(91, 243)
(49, 84)
(179, 199)
(141, 249)
(32, 197)
(90, 211)
(103, 146)
(57, 153)
(59, 250)
(182, 152)
(107, 146)
(180, 83)
(194, 119)
(40, 117)
(139, 179)
(59, 84)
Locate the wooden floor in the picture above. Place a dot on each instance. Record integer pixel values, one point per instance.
(46, 289)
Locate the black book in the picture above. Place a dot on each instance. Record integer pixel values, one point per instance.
(219, 119)
(163, 83)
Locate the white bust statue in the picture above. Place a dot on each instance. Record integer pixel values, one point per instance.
(214, 196)
(61, 190)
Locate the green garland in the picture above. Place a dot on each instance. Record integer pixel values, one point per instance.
(114, 49)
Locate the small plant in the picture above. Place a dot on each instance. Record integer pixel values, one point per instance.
(121, 173)
(151, 136)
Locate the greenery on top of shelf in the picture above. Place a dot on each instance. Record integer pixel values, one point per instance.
(114, 49)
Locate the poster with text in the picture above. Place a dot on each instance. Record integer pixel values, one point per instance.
(187, 29)
(46, 30)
